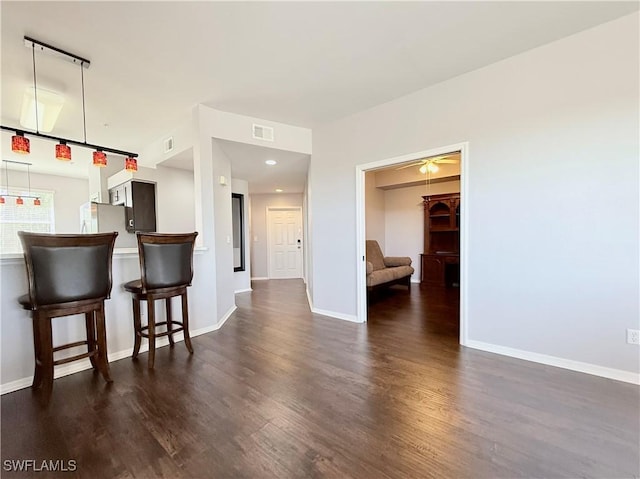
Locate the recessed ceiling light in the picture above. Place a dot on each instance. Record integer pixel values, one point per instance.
(271, 162)
(279, 190)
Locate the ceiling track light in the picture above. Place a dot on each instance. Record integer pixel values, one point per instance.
(99, 159)
(131, 164)
(63, 151)
(20, 144)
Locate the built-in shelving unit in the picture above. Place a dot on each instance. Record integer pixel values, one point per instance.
(441, 257)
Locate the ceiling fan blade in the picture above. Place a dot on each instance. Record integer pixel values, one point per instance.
(410, 165)
(446, 161)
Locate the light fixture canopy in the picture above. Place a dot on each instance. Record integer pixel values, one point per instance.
(20, 144)
(271, 162)
(99, 158)
(63, 151)
(279, 190)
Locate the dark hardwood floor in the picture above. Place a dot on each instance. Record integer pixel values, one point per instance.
(280, 392)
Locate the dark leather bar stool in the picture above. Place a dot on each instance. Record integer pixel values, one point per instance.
(166, 269)
(67, 275)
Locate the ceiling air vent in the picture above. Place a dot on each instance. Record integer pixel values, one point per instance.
(168, 144)
(261, 132)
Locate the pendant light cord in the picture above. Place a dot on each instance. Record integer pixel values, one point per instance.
(35, 85)
(84, 114)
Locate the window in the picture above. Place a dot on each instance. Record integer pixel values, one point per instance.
(26, 217)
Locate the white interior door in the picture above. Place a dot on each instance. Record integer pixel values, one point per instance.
(285, 242)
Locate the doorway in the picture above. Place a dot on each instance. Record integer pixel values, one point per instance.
(284, 246)
(361, 225)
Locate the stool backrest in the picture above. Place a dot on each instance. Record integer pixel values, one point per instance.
(166, 260)
(66, 268)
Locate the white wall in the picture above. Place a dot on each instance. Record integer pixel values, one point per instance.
(374, 210)
(259, 204)
(552, 202)
(175, 200)
(404, 220)
(69, 194)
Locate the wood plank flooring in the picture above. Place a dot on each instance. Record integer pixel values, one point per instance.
(281, 392)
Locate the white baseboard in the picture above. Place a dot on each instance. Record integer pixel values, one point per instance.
(85, 364)
(243, 291)
(415, 281)
(226, 316)
(332, 314)
(594, 369)
(309, 299)
(260, 278)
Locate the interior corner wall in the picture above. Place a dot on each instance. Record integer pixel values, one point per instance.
(374, 210)
(242, 279)
(175, 200)
(307, 243)
(552, 194)
(259, 240)
(225, 292)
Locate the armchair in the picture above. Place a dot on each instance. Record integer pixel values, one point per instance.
(386, 271)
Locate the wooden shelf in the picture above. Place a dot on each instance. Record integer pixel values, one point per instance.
(441, 258)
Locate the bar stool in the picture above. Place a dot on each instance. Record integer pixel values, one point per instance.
(166, 270)
(67, 275)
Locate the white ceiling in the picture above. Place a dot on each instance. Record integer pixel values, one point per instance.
(300, 63)
(248, 163)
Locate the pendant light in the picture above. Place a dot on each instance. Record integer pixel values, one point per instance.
(20, 144)
(63, 151)
(131, 164)
(19, 198)
(99, 158)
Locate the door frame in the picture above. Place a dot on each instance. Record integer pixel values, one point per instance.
(275, 208)
(361, 265)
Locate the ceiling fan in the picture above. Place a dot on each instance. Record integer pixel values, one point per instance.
(431, 164)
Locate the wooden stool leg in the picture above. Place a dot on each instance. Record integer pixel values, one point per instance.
(185, 322)
(152, 331)
(137, 328)
(37, 352)
(103, 361)
(91, 338)
(46, 355)
(169, 320)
